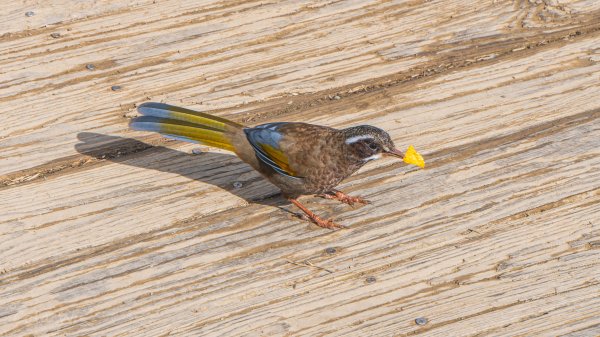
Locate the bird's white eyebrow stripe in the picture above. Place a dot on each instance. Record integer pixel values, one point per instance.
(355, 139)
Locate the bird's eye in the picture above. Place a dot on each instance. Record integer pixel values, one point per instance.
(373, 146)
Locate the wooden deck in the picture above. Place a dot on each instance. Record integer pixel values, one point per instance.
(110, 232)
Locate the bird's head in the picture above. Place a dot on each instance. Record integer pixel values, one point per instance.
(368, 143)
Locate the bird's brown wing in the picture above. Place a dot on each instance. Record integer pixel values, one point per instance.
(266, 139)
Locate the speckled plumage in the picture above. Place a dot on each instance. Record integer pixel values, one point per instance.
(299, 158)
(319, 156)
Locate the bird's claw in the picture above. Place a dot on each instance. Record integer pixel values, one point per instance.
(346, 199)
(350, 200)
(329, 224)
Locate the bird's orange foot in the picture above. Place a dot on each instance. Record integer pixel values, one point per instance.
(347, 199)
(329, 224)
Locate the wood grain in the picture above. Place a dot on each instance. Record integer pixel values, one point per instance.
(241, 54)
(103, 234)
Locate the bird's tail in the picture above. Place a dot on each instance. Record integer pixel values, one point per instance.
(184, 124)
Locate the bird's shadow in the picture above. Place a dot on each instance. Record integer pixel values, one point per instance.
(239, 178)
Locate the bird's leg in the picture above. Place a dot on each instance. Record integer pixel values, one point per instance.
(314, 218)
(347, 199)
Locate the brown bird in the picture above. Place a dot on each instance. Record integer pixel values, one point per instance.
(299, 158)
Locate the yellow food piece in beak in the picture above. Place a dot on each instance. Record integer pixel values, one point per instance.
(413, 157)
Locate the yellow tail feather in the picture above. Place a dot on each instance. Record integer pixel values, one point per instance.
(193, 134)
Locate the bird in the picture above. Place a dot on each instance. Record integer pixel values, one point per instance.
(299, 158)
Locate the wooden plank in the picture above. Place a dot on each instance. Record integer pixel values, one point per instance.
(199, 56)
(157, 183)
(491, 249)
(580, 139)
(104, 235)
(47, 14)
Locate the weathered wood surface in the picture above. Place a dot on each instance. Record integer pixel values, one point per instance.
(101, 234)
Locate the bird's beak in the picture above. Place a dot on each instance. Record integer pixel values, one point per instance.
(394, 153)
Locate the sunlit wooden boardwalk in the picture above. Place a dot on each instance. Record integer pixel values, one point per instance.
(106, 231)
